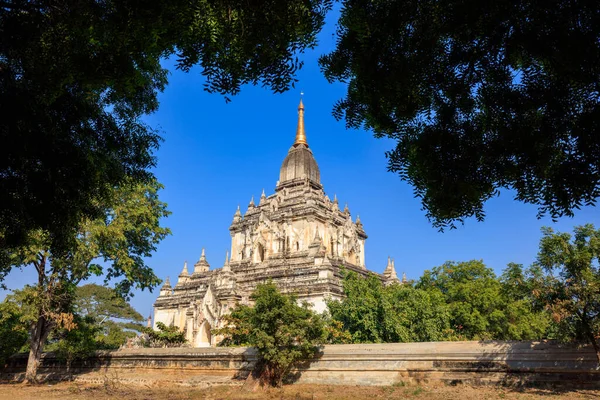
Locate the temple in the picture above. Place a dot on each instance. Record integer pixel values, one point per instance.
(297, 237)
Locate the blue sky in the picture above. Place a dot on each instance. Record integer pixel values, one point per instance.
(217, 155)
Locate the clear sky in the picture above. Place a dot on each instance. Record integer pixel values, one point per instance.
(216, 156)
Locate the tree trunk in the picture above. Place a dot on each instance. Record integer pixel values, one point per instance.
(39, 334)
(591, 337)
(596, 348)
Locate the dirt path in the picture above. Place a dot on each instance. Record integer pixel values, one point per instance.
(72, 391)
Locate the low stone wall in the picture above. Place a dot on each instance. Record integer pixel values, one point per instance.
(489, 362)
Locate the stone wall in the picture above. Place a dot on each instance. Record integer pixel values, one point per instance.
(490, 362)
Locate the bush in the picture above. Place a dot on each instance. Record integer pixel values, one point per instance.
(165, 336)
(283, 332)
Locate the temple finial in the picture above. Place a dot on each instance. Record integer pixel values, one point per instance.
(300, 133)
(184, 272)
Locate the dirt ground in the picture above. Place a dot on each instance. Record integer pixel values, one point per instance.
(72, 391)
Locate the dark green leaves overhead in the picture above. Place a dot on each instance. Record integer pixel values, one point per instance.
(76, 77)
(479, 96)
(258, 42)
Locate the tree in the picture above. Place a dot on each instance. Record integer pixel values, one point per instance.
(165, 336)
(282, 331)
(13, 332)
(524, 317)
(478, 97)
(103, 307)
(482, 306)
(373, 313)
(472, 293)
(113, 246)
(571, 288)
(79, 342)
(76, 77)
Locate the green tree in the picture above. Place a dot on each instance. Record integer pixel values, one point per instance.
(283, 332)
(571, 288)
(116, 319)
(13, 332)
(479, 97)
(524, 318)
(374, 313)
(485, 307)
(472, 293)
(113, 246)
(78, 342)
(76, 77)
(165, 336)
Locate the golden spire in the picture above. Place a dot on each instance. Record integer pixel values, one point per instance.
(300, 134)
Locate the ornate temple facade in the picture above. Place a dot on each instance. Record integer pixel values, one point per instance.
(297, 237)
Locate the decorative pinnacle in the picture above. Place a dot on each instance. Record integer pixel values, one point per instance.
(251, 202)
(185, 269)
(300, 133)
(238, 212)
(203, 255)
(335, 200)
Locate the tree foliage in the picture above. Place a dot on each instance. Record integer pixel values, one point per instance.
(282, 331)
(478, 97)
(13, 330)
(165, 336)
(524, 316)
(571, 287)
(101, 320)
(482, 306)
(455, 301)
(374, 313)
(114, 317)
(76, 343)
(76, 77)
(113, 246)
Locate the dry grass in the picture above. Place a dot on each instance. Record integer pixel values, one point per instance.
(113, 390)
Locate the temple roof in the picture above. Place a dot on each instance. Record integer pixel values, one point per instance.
(299, 164)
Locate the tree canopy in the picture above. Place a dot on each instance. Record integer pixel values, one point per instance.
(116, 319)
(482, 306)
(13, 329)
(374, 313)
(113, 246)
(76, 77)
(478, 96)
(570, 289)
